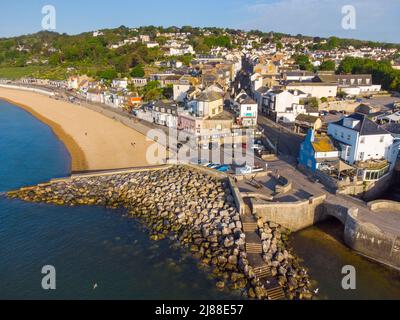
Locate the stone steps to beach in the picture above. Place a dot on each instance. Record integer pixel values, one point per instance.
(276, 294)
(263, 272)
(250, 226)
(254, 248)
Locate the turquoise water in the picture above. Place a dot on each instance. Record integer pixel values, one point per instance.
(88, 246)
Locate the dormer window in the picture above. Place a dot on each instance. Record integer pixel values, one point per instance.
(350, 123)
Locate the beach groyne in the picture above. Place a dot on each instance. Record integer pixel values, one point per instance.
(188, 206)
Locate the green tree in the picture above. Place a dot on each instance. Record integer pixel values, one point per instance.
(328, 65)
(152, 91)
(109, 74)
(138, 72)
(303, 61)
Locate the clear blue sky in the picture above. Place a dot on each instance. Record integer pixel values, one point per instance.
(376, 19)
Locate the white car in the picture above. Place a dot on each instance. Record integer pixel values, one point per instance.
(244, 170)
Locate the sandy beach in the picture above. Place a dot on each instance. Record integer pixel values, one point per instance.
(94, 141)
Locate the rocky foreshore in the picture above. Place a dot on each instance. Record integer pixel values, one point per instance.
(292, 277)
(189, 207)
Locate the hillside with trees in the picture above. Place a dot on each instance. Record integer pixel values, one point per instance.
(382, 71)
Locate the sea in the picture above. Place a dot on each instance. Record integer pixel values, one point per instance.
(97, 253)
(100, 253)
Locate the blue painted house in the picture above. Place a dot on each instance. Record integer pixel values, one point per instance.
(317, 152)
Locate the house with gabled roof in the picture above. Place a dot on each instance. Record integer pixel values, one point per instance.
(364, 144)
(246, 110)
(317, 152)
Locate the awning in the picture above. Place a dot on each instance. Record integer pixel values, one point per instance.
(342, 166)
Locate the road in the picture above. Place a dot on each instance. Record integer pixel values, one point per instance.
(288, 142)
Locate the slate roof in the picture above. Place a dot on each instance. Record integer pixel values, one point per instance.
(263, 90)
(209, 96)
(307, 118)
(365, 127)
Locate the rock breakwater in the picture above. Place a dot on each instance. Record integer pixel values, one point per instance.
(190, 208)
(284, 264)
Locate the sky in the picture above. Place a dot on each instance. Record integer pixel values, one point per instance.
(377, 20)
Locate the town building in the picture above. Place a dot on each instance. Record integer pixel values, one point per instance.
(165, 113)
(305, 122)
(246, 110)
(318, 152)
(363, 144)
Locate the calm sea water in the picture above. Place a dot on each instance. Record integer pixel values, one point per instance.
(91, 245)
(322, 250)
(86, 245)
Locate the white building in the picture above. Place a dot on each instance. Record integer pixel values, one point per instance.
(120, 83)
(165, 113)
(246, 110)
(363, 143)
(181, 50)
(298, 76)
(152, 45)
(180, 91)
(314, 89)
(139, 82)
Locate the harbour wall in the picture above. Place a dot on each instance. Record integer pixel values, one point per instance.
(365, 238)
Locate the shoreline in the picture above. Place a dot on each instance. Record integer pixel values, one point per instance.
(196, 211)
(78, 158)
(94, 141)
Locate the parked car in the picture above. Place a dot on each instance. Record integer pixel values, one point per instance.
(259, 147)
(244, 170)
(223, 168)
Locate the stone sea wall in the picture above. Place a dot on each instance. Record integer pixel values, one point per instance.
(370, 241)
(294, 216)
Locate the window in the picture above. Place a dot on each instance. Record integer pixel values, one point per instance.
(348, 137)
(248, 108)
(348, 152)
(342, 135)
(362, 140)
(382, 139)
(362, 156)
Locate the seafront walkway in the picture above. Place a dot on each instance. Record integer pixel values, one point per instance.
(386, 221)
